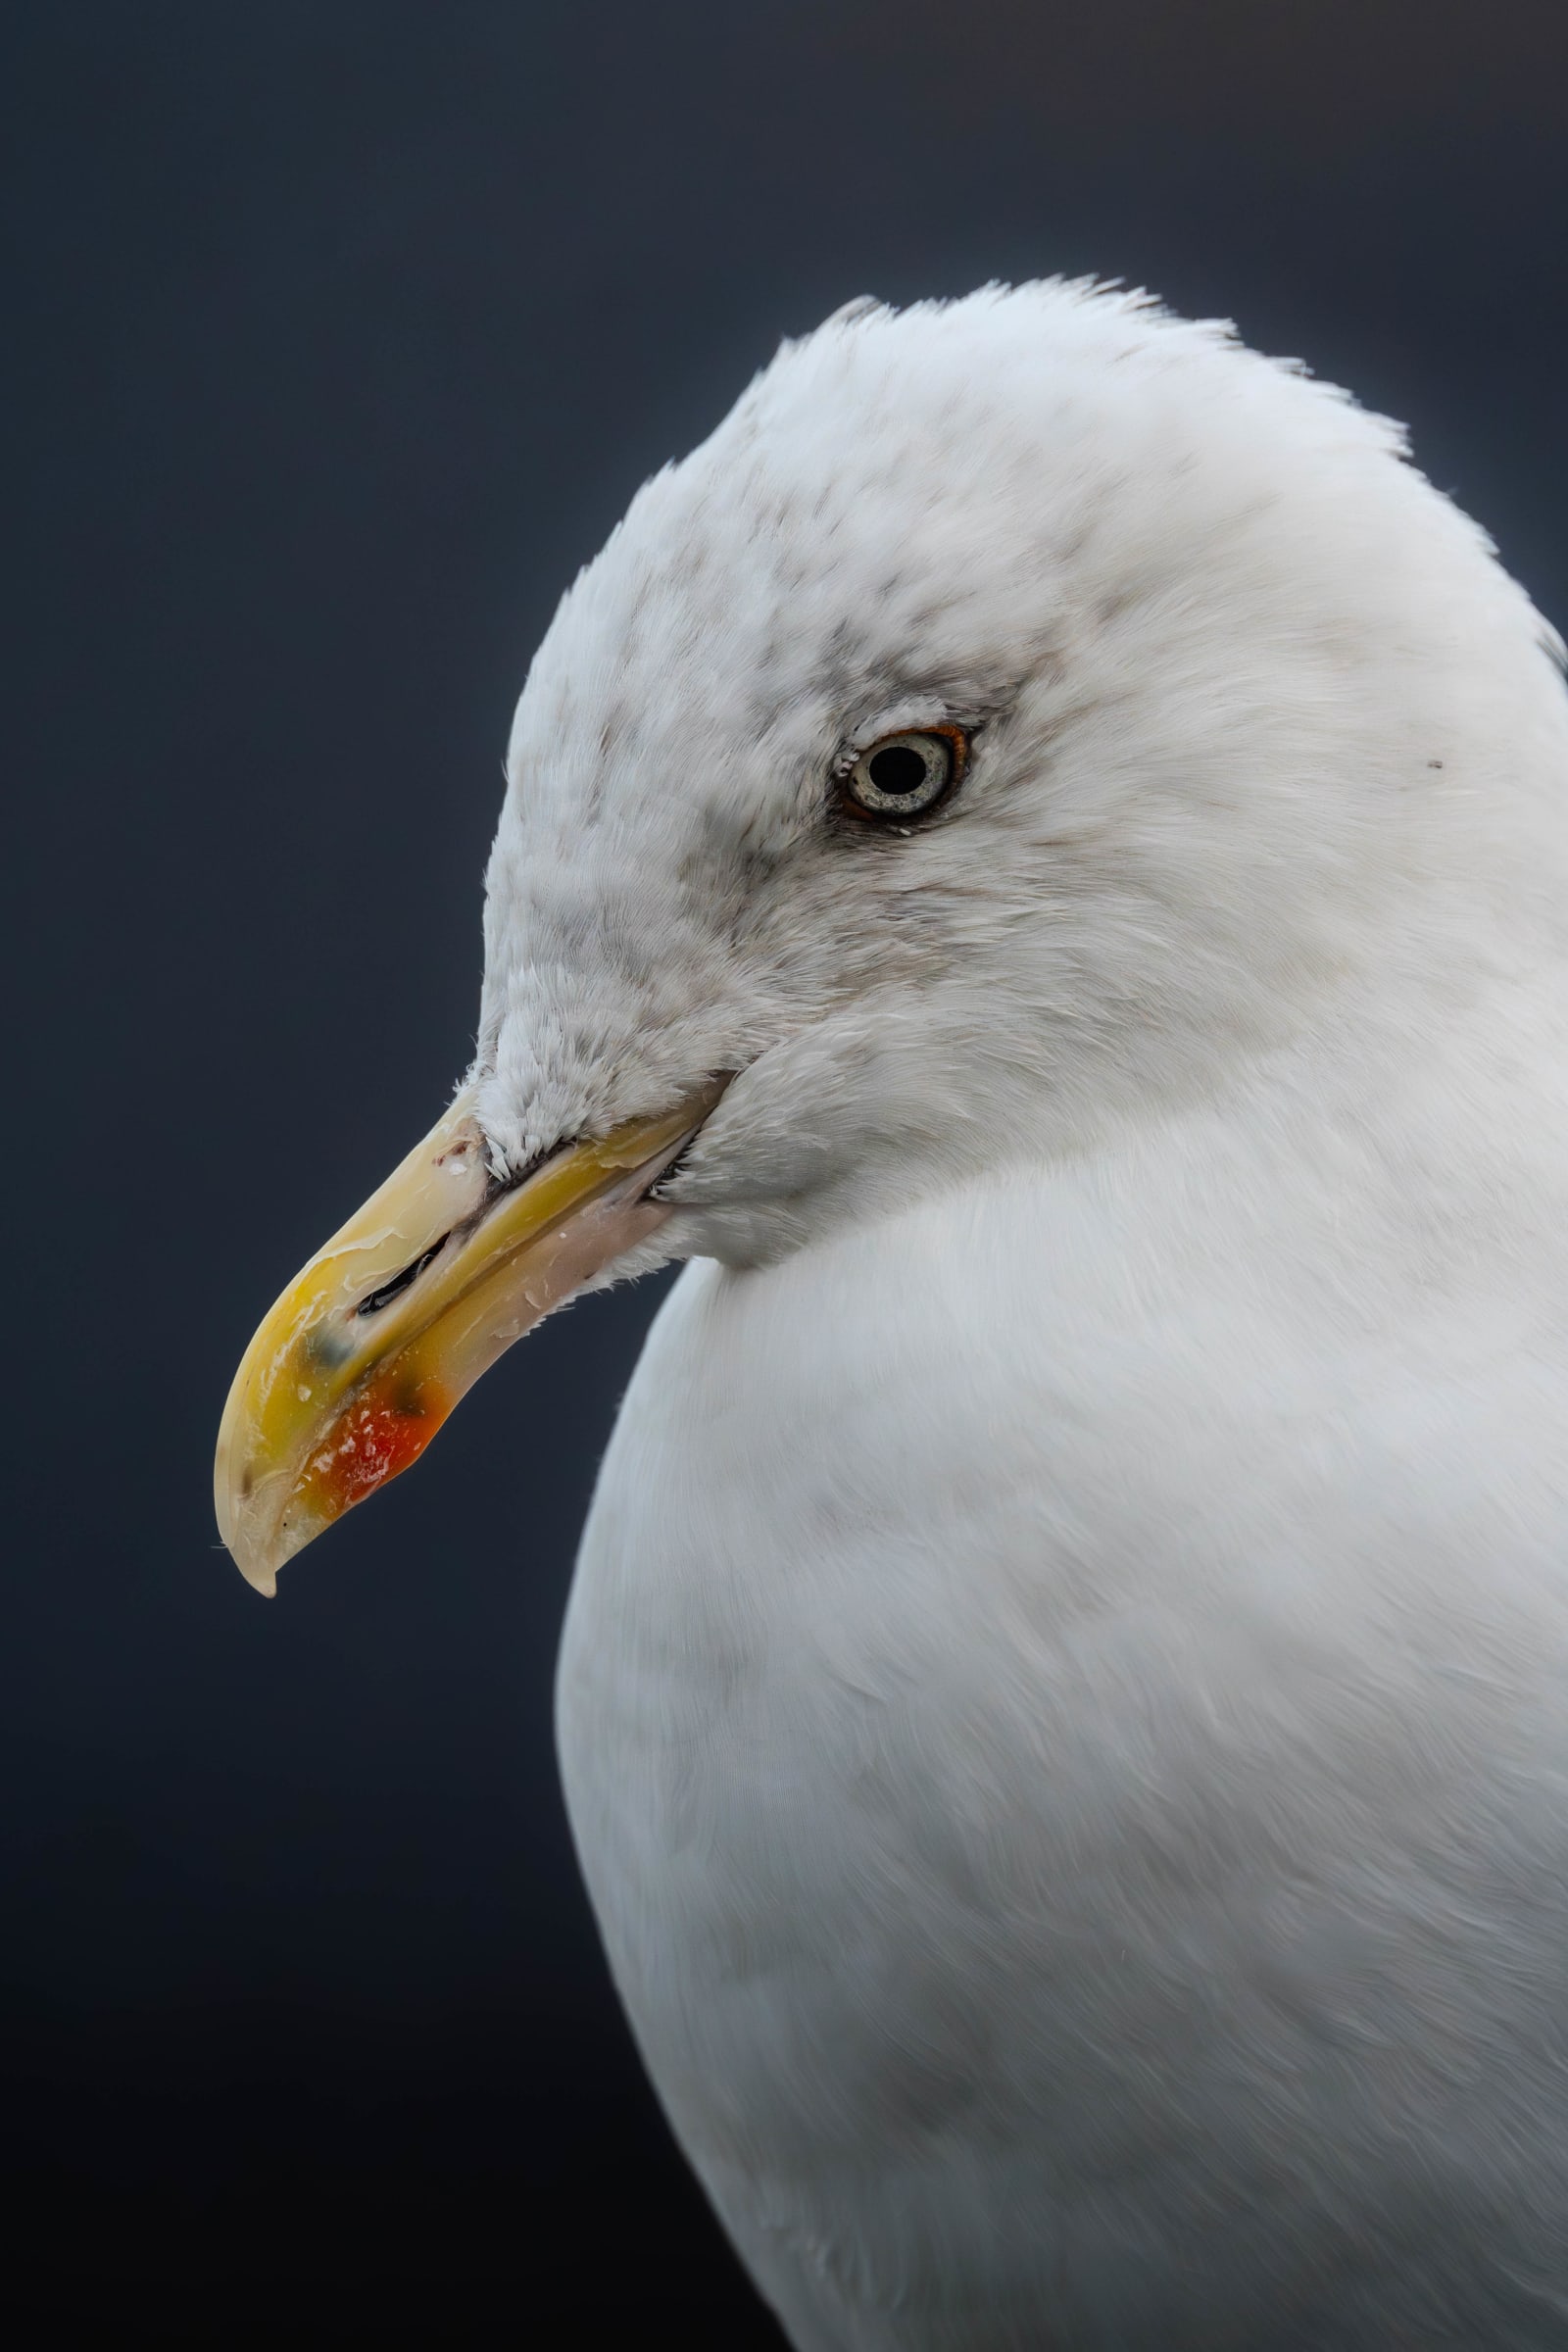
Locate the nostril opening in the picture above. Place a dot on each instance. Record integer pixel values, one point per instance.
(399, 1283)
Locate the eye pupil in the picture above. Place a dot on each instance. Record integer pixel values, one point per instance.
(897, 769)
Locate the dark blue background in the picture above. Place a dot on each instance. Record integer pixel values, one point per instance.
(334, 339)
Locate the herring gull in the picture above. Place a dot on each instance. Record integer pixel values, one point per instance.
(1037, 859)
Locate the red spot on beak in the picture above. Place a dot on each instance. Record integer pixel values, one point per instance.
(386, 1427)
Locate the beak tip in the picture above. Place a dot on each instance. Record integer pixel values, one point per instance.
(261, 1542)
(256, 1540)
(258, 1572)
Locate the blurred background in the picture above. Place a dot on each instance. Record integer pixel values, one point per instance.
(336, 338)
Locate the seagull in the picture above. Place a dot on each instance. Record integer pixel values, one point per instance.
(1036, 860)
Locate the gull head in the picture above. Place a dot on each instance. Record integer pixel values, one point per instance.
(1018, 716)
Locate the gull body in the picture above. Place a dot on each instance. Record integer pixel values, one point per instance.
(1064, 1704)
(1064, 1700)
(1062, 1707)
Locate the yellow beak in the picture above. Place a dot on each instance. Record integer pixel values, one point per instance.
(369, 1350)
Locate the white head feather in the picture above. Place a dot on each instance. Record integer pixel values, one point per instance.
(1261, 726)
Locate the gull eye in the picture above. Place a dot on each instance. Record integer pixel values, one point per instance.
(905, 775)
